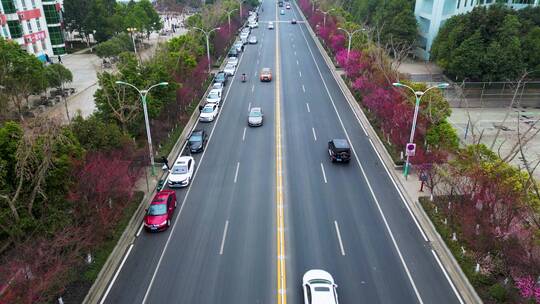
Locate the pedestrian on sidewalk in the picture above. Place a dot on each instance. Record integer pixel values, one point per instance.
(59, 59)
(166, 162)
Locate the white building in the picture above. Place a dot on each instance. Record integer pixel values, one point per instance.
(36, 25)
(431, 15)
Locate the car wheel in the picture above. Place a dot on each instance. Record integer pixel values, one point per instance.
(175, 203)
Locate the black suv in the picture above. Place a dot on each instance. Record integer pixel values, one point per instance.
(339, 150)
(197, 141)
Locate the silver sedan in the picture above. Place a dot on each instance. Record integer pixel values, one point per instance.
(255, 117)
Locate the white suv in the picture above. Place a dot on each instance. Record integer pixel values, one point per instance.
(319, 287)
(182, 172)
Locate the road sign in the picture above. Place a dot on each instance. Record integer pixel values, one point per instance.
(410, 149)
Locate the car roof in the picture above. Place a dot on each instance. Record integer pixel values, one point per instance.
(210, 105)
(197, 132)
(266, 70)
(182, 160)
(341, 143)
(215, 91)
(161, 196)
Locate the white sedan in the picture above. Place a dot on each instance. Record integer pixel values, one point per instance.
(233, 61)
(214, 96)
(319, 287)
(182, 172)
(229, 69)
(209, 112)
(270, 25)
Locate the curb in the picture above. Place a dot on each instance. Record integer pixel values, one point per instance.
(464, 287)
(129, 236)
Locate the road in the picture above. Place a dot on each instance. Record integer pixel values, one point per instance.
(228, 243)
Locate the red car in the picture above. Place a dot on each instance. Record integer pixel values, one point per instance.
(159, 214)
(266, 74)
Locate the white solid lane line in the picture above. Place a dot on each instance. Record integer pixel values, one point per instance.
(324, 174)
(224, 237)
(115, 275)
(314, 135)
(372, 192)
(446, 275)
(140, 229)
(339, 238)
(244, 136)
(307, 106)
(249, 106)
(303, 88)
(236, 174)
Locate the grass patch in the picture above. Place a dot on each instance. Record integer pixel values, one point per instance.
(490, 288)
(84, 277)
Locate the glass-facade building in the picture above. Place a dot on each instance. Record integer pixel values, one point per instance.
(36, 25)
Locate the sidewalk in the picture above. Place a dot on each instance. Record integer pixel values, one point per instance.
(85, 68)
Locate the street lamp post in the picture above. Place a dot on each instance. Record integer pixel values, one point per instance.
(313, 5)
(241, 2)
(143, 94)
(207, 34)
(325, 13)
(350, 34)
(132, 30)
(229, 17)
(418, 95)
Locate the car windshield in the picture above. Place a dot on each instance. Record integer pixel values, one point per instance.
(213, 95)
(320, 281)
(321, 289)
(207, 110)
(195, 138)
(158, 209)
(255, 114)
(220, 76)
(179, 169)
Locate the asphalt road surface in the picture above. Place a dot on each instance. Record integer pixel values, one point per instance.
(227, 243)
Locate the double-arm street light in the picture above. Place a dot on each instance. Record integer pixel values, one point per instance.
(143, 94)
(418, 95)
(207, 34)
(313, 5)
(350, 34)
(229, 16)
(325, 13)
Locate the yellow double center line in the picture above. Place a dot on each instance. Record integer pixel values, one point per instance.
(280, 235)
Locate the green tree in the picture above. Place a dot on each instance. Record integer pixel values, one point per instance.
(466, 61)
(396, 21)
(531, 50)
(115, 46)
(443, 136)
(96, 135)
(21, 74)
(99, 19)
(58, 75)
(504, 59)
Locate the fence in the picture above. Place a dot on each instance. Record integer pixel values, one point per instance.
(494, 94)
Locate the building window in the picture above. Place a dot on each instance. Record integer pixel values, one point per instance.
(51, 15)
(43, 45)
(458, 3)
(34, 46)
(34, 3)
(15, 29)
(56, 36)
(59, 50)
(5, 31)
(38, 25)
(29, 26)
(9, 6)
